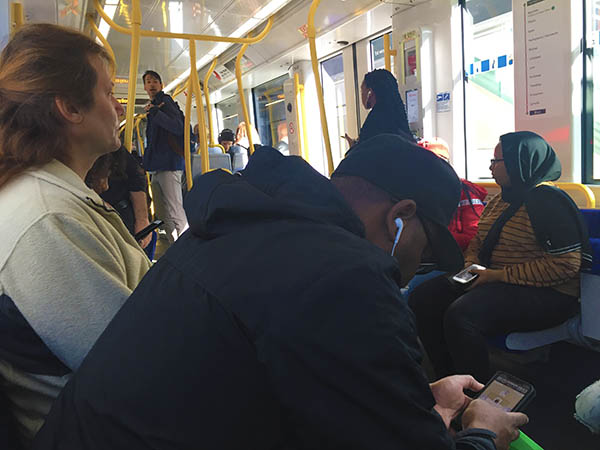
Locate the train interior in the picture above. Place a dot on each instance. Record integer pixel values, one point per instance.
(465, 71)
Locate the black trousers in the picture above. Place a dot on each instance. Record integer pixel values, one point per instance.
(453, 324)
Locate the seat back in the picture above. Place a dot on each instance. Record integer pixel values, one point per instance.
(216, 161)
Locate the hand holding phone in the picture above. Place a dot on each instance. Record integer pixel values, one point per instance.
(150, 228)
(507, 392)
(483, 415)
(466, 276)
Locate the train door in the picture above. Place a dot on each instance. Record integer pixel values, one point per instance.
(489, 86)
(334, 95)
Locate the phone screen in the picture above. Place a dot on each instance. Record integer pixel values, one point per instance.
(504, 393)
(465, 276)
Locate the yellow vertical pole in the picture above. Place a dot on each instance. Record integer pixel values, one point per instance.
(186, 132)
(211, 129)
(386, 52)
(238, 74)
(139, 136)
(17, 17)
(136, 23)
(312, 34)
(195, 82)
(301, 114)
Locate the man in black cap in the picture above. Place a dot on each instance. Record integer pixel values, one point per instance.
(278, 323)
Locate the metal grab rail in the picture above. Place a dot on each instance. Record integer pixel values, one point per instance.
(202, 141)
(312, 33)
(238, 75)
(105, 43)
(168, 34)
(211, 129)
(17, 17)
(136, 23)
(193, 83)
(590, 198)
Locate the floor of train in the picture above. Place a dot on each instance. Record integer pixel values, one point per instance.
(558, 373)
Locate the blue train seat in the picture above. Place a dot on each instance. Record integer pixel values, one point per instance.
(216, 160)
(584, 328)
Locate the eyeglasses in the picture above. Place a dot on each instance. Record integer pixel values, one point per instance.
(494, 161)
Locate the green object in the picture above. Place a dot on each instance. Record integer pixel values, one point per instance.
(524, 443)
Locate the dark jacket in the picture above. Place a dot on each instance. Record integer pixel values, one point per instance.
(271, 324)
(162, 121)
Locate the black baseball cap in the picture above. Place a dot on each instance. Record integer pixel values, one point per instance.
(406, 171)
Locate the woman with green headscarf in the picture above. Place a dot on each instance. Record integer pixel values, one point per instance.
(533, 241)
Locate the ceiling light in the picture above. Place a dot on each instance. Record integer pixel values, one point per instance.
(220, 47)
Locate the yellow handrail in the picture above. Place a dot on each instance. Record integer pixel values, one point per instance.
(104, 43)
(202, 141)
(17, 18)
(182, 87)
(238, 75)
(186, 133)
(386, 52)
(590, 198)
(136, 23)
(312, 34)
(139, 136)
(211, 129)
(218, 146)
(196, 37)
(300, 113)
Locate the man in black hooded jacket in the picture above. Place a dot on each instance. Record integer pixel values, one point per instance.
(277, 321)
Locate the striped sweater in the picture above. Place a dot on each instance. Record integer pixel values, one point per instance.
(520, 256)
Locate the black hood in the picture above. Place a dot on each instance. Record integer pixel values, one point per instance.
(272, 187)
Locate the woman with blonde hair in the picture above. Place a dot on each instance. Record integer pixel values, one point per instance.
(67, 261)
(241, 136)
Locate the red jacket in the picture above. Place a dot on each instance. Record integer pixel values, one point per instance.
(464, 223)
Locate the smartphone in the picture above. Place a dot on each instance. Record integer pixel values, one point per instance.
(504, 391)
(149, 229)
(507, 392)
(465, 276)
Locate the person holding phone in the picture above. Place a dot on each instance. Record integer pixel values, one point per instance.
(379, 93)
(532, 242)
(324, 356)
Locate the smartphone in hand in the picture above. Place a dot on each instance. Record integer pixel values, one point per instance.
(466, 276)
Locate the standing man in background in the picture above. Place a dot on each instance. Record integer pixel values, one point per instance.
(164, 159)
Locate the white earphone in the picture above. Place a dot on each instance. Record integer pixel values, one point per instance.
(399, 225)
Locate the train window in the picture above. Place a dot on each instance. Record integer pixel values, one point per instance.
(488, 51)
(378, 54)
(227, 114)
(591, 120)
(334, 93)
(269, 105)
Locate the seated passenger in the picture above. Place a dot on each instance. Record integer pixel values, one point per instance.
(241, 137)
(67, 262)
(299, 340)
(239, 155)
(379, 93)
(226, 139)
(533, 241)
